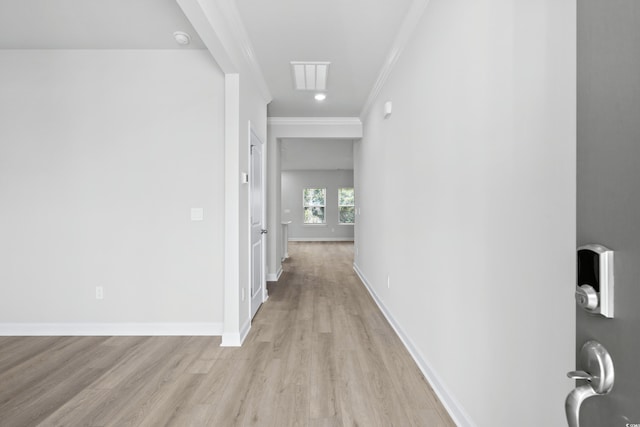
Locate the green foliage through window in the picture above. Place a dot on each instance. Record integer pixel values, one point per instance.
(346, 205)
(314, 202)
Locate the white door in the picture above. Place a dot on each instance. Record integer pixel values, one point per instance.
(258, 289)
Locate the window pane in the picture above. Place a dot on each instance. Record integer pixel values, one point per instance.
(346, 197)
(314, 196)
(314, 215)
(347, 215)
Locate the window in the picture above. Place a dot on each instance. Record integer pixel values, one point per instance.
(314, 205)
(346, 206)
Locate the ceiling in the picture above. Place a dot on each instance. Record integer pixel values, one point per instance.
(316, 154)
(93, 24)
(354, 35)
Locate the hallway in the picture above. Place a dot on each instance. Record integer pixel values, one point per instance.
(319, 353)
(348, 365)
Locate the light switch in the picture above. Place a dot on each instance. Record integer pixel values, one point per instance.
(197, 214)
(388, 109)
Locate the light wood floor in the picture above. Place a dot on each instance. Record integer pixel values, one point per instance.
(319, 354)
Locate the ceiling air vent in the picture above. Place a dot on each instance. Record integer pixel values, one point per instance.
(310, 75)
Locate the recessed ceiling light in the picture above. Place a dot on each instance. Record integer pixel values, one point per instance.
(320, 97)
(310, 75)
(182, 38)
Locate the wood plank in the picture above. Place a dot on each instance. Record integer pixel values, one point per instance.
(320, 353)
(40, 399)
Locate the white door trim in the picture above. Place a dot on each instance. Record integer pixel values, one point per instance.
(231, 333)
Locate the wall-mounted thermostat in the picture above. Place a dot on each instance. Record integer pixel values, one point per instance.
(594, 290)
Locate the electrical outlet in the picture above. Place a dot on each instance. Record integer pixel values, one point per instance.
(99, 292)
(388, 282)
(242, 294)
(333, 230)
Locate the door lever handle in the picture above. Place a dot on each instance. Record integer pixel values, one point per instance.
(574, 402)
(580, 375)
(597, 360)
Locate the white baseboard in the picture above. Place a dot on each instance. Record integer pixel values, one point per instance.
(274, 277)
(111, 329)
(321, 239)
(451, 404)
(235, 339)
(244, 331)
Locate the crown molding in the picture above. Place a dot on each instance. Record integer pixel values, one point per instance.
(408, 26)
(220, 27)
(314, 127)
(313, 121)
(246, 51)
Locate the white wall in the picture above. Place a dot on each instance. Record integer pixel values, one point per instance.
(293, 183)
(316, 154)
(467, 197)
(253, 113)
(102, 155)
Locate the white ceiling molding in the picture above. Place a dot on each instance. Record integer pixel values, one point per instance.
(314, 121)
(409, 24)
(315, 127)
(207, 19)
(219, 25)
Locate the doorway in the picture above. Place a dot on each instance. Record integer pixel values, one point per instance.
(257, 287)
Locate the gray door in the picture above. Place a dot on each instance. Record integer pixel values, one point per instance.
(609, 191)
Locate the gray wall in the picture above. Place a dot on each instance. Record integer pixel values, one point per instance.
(102, 155)
(293, 182)
(466, 232)
(609, 189)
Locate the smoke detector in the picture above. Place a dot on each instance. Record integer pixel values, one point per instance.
(182, 38)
